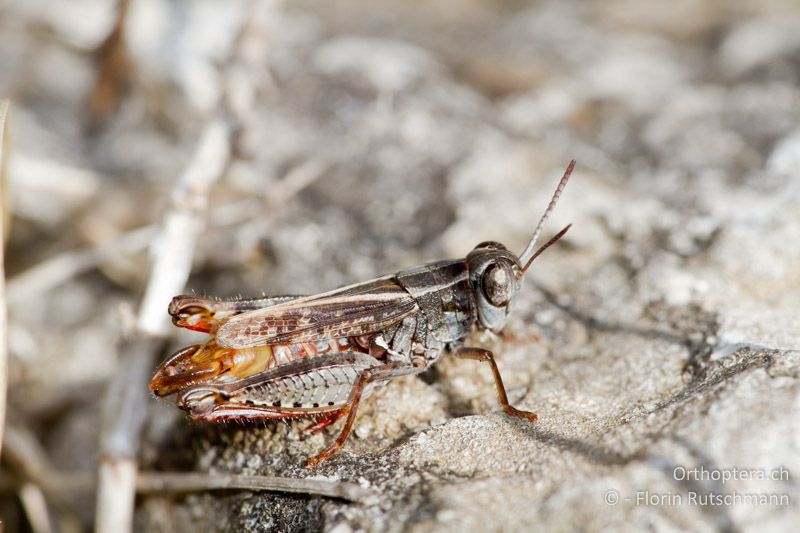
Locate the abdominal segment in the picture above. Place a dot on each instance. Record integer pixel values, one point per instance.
(211, 363)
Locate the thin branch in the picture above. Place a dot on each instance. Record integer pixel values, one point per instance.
(35, 474)
(59, 485)
(173, 249)
(5, 218)
(113, 68)
(126, 400)
(56, 270)
(23, 452)
(29, 460)
(297, 179)
(35, 506)
(50, 273)
(171, 482)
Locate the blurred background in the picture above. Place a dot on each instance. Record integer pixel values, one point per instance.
(365, 137)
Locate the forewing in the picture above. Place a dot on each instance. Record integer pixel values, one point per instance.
(350, 311)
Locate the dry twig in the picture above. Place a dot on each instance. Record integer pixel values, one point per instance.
(34, 470)
(57, 485)
(35, 506)
(126, 401)
(198, 481)
(4, 219)
(52, 272)
(112, 67)
(39, 483)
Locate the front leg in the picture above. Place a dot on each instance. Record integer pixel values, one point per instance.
(479, 354)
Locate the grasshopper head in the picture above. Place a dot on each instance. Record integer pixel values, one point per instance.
(496, 274)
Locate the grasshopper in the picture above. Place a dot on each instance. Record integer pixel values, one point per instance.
(318, 356)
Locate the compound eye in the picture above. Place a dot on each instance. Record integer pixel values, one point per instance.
(497, 284)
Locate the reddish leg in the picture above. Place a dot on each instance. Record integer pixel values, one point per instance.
(379, 373)
(322, 423)
(479, 354)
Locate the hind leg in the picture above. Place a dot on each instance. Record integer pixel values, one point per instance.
(370, 375)
(322, 423)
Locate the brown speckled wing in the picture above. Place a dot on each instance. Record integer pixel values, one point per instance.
(350, 311)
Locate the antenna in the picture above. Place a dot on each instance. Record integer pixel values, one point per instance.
(545, 246)
(528, 255)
